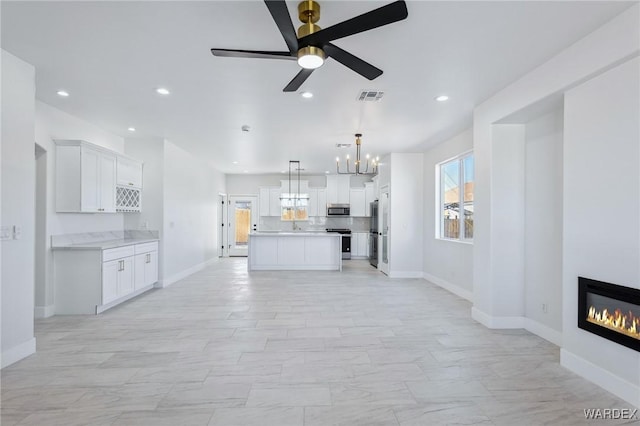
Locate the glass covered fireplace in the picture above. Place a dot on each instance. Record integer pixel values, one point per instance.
(610, 311)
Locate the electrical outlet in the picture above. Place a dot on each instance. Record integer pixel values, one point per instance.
(6, 233)
(17, 232)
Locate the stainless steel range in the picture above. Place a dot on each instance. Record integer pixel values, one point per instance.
(346, 241)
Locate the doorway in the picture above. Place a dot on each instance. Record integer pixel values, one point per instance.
(384, 229)
(242, 213)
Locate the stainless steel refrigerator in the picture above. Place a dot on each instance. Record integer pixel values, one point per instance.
(373, 234)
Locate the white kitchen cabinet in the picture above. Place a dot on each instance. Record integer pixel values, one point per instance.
(369, 197)
(269, 201)
(129, 172)
(357, 201)
(146, 269)
(87, 177)
(92, 280)
(275, 206)
(117, 279)
(360, 245)
(322, 202)
(338, 188)
(317, 202)
(263, 201)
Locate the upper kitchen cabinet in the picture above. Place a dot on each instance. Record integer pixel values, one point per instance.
(269, 201)
(318, 202)
(129, 172)
(357, 201)
(338, 187)
(87, 179)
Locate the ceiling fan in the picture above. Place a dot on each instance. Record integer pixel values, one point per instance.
(311, 45)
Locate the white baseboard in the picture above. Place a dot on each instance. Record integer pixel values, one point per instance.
(405, 274)
(44, 311)
(166, 282)
(546, 332)
(541, 330)
(15, 354)
(601, 377)
(453, 288)
(496, 322)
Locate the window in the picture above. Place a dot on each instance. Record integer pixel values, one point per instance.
(456, 190)
(294, 207)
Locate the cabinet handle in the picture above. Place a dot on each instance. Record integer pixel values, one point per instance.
(148, 258)
(130, 184)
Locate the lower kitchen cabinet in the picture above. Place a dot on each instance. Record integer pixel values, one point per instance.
(117, 279)
(91, 281)
(360, 245)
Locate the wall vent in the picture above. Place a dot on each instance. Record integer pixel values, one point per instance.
(370, 95)
(343, 145)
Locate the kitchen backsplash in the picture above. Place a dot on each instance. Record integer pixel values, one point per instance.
(356, 224)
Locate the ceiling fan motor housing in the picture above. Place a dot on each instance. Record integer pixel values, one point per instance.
(309, 14)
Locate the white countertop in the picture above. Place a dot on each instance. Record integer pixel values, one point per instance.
(294, 234)
(103, 245)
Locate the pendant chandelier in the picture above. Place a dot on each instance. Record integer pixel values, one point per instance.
(358, 162)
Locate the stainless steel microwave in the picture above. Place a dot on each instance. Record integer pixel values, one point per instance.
(338, 210)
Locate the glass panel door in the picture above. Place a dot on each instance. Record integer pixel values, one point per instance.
(242, 220)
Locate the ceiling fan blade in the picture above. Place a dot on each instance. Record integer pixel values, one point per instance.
(384, 15)
(280, 14)
(298, 80)
(363, 68)
(233, 53)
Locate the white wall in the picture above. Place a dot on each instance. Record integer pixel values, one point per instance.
(602, 210)
(406, 216)
(190, 195)
(446, 263)
(606, 48)
(50, 124)
(18, 208)
(543, 219)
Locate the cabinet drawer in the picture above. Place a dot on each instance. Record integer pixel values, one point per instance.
(146, 247)
(117, 253)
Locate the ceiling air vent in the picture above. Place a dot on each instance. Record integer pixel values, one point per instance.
(343, 145)
(370, 95)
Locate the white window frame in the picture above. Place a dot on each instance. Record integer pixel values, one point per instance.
(440, 198)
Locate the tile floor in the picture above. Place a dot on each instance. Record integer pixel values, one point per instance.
(223, 347)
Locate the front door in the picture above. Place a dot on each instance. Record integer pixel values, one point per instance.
(243, 219)
(384, 230)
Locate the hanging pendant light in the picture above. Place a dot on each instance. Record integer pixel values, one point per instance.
(358, 162)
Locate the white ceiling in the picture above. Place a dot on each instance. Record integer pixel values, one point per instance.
(110, 56)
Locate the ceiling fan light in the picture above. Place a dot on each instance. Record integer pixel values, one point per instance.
(310, 57)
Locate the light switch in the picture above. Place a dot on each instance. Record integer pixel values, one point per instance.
(6, 233)
(17, 232)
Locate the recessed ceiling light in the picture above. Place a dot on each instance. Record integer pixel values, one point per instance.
(131, 129)
(326, 171)
(306, 95)
(234, 162)
(246, 171)
(63, 93)
(162, 91)
(442, 98)
(283, 171)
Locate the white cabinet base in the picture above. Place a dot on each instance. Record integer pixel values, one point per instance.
(102, 308)
(295, 251)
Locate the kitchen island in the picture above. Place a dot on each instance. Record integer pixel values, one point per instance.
(277, 251)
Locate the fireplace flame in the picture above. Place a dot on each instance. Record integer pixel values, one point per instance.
(627, 324)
